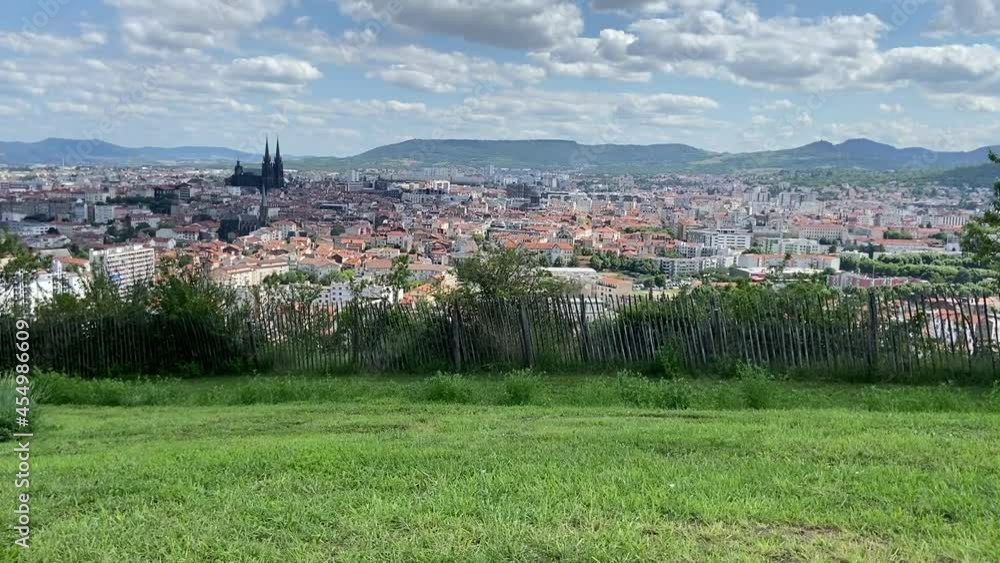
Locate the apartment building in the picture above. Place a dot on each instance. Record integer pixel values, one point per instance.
(125, 266)
(723, 238)
(792, 246)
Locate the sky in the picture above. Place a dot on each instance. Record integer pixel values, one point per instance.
(337, 77)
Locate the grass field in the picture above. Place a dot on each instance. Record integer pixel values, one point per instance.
(427, 476)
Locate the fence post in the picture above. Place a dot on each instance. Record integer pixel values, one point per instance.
(456, 337)
(526, 344)
(872, 334)
(356, 335)
(584, 331)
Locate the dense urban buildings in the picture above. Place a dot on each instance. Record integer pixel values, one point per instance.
(611, 234)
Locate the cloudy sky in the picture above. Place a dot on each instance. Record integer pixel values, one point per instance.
(341, 76)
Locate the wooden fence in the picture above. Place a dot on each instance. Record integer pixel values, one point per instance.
(878, 335)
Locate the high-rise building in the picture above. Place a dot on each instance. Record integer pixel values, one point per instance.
(126, 265)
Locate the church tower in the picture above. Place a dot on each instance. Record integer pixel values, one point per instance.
(279, 167)
(266, 181)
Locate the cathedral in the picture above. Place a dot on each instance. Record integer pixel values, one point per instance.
(271, 177)
(272, 174)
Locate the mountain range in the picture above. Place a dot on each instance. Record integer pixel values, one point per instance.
(857, 154)
(76, 151)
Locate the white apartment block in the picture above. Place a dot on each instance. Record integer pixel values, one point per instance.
(680, 268)
(819, 231)
(725, 238)
(339, 294)
(125, 265)
(104, 214)
(792, 246)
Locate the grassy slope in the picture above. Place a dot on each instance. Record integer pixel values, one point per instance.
(391, 481)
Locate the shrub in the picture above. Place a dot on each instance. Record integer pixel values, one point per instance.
(9, 394)
(639, 391)
(671, 365)
(755, 385)
(675, 395)
(447, 388)
(522, 387)
(632, 388)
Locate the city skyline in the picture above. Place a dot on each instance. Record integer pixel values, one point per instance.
(351, 75)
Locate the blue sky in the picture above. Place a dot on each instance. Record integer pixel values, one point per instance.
(341, 76)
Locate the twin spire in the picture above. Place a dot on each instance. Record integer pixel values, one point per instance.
(267, 150)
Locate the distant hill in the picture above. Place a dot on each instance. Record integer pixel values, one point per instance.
(74, 152)
(537, 154)
(855, 154)
(860, 154)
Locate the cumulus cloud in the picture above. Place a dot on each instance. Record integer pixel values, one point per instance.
(165, 27)
(278, 68)
(976, 17)
(14, 108)
(939, 68)
(34, 43)
(654, 7)
(733, 43)
(513, 24)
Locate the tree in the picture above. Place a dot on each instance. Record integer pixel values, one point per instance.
(981, 238)
(400, 277)
(507, 273)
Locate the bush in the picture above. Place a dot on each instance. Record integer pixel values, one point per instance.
(639, 391)
(755, 385)
(522, 387)
(671, 365)
(447, 388)
(8, 399)
(632, 388)
(675, 395)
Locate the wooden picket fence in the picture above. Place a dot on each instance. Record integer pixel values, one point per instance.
(908, 335)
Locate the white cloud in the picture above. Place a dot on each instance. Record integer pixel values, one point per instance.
(278, 68)
(14, 108)
(734, 43)
(425, 69)
(968, 102)
(776, 105)
(515, 24)
(72, 107)
(890, 108)
(976, 17)
(166, 27)
(29, 42)
(654, 7)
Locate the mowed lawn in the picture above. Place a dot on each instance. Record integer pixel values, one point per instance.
(411, 482)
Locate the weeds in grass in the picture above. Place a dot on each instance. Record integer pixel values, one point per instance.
(636, 390)
(10, 393)
(447, 388)
(756, 389)
(670, 362)
(522, 387)
(756, 385)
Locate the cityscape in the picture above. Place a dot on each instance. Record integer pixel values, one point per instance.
(500, 281)
(609, 234)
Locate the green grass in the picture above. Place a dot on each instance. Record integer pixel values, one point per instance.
(522, 388)
(383, 470)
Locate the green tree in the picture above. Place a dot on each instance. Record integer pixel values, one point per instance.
(981, 238)
(506, 273)
(400, 277)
